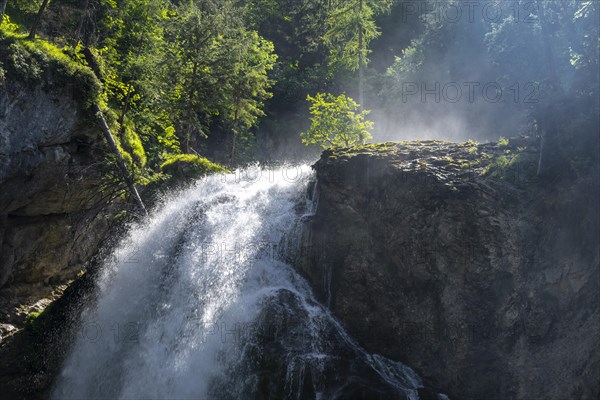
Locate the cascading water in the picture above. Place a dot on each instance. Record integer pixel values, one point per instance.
(196, 304)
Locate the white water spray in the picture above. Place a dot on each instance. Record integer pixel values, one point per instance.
(178, 297)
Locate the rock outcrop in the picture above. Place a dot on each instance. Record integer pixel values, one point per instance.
(453, 259)
(51, 201)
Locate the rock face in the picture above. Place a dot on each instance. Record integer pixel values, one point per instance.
(294, 351)
(454, 260)
(50, 200)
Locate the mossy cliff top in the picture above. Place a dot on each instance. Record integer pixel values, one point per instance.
(509, 159)
(38, 62)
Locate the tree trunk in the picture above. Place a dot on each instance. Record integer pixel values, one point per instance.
(549, 158)
(361, 60)
(120, 162)
(92, 63)
(232, 155)
(235, 132)
(38, 19)
(111, 140)
(79, 32)
(2, 9)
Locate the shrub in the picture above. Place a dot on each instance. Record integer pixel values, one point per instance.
(519, 169)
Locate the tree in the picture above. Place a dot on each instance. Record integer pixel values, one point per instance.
(335, 122)
(219, 76)
(350, 29)
(201, 59)
(2, 9)
(249, 84)
(561, 42)
(38, 19)
(133, 51)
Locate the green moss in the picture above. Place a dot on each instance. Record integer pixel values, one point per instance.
(132, 143)
(189, 166)
(31, 317)
(368, 149)
(503, 142)
(34, 62)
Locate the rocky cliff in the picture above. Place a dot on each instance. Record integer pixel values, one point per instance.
(455, 260)
(51, 203)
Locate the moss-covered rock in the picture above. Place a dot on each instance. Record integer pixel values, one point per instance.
(189, 166)
(40, 63)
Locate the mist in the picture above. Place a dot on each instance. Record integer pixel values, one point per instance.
(460, 70)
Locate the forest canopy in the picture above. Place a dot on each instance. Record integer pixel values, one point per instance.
(229, 80)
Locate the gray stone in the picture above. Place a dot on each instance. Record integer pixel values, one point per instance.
(52, 218)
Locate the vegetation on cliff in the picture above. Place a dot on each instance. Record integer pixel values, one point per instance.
(189, 166)
(181, 83)
(192, 76)
(37, 61)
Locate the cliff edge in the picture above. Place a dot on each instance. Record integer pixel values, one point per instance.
(52, 162)
(454, 259)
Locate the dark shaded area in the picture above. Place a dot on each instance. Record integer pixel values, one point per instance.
(481, 276)
(31, 359)
(293, 354)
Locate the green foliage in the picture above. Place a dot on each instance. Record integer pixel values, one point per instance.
(335, 122)
(8, 25)
(350, 28)
(31, 317)
(517, 168)
(132, 143)
(26, 6)
(547, 52)
(37, 61)
(502, 142)
(219, 76)
(561, 44)
(249, 82)
(189, 166)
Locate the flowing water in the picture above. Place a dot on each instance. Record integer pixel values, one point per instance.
(197, 303)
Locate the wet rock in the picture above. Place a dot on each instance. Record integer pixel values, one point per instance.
(294, 351)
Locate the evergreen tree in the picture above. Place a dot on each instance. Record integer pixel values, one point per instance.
(350, 29)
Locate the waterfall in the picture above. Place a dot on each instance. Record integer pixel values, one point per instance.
(197, 303)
